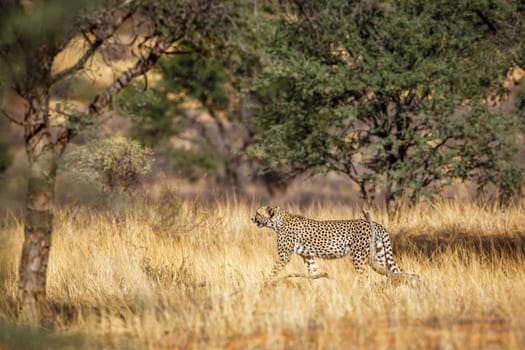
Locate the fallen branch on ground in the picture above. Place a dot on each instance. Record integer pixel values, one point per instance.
(299, 275)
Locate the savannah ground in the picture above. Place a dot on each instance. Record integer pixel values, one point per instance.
(166, 273)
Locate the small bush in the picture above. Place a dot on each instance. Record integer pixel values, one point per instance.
(116, 164)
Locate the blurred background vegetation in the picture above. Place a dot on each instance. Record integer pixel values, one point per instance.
(401, 99)
(391, 102)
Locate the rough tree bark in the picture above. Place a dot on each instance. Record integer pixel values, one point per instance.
(42, 155)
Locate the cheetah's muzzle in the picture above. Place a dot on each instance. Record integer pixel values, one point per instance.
(257, 222)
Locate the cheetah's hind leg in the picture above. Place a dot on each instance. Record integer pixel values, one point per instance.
(394, 278)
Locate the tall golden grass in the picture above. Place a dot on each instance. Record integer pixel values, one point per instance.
(174, 274)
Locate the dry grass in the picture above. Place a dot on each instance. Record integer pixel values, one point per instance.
(173, 274)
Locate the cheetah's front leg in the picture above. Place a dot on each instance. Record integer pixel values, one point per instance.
(311, 265)
(359, 265)
(278, 266)
(285, 252)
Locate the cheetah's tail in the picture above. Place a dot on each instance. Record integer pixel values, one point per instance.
(389, 254)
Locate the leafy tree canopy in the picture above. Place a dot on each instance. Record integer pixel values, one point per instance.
(211, 77)
(398, 94)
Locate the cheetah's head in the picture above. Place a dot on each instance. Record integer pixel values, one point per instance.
(267, 216)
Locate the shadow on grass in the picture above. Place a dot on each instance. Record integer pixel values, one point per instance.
(14, 335)
(19, 337)
(486, 247)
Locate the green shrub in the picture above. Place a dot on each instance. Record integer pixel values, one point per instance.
(116, 164)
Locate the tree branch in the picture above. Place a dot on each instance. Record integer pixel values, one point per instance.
(486, 20)
(13, 120)
(92, 49)
(103, 99)
(79, 64)
(442, 143)
(142, 66)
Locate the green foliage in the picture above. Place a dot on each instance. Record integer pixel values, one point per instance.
(208, 75)
(155, 118)
(157, 113)
(197, 75)
(193, 164)
(29, 38)
(116, 164)
(391, 93)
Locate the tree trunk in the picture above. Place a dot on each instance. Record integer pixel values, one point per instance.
(35, 250)
(367, 193)
(391, 201)
(42, 158)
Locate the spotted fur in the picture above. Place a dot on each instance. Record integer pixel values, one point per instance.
(331, 239)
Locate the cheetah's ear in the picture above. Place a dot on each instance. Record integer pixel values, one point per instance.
(274, 210)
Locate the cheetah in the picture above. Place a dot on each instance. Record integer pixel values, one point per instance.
(331, 239)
